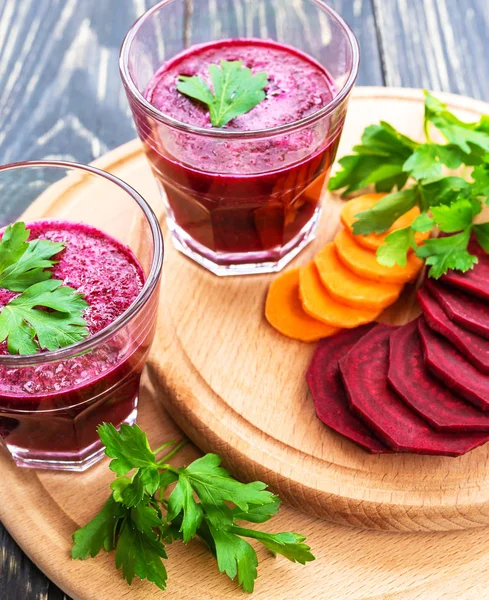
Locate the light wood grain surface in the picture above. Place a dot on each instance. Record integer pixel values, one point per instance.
(352, 564)
(60, 96)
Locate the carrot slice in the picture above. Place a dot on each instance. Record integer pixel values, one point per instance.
(364, 263)
(372, 241)
(320, 305)
(284, 311)
(348, 288)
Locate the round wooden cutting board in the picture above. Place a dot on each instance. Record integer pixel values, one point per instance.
(237, 388)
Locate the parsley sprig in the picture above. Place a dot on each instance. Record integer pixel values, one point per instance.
(46, 314)
(24, 263)
(389, 160)
(236, 90)
(158, 504)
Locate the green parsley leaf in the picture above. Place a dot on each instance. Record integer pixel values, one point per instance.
(257, 514)
(457, 132)
(444, 190)
(146, 519)
(287, 544)
(182, 500)
(150, 478)
(481, 231)
(129, 447)
(236, 90)
(23, 263)
(214, 485)
(445, 253)
(99, 533)
(133, 494)
(480, 175)
(26, 327)
(235, 556)
(423, 223)
(453, 217)
(118, 486)
(167, 478)
(379, 218)
(378, 160)
(426, 162)
(140, 554)
(396, 246)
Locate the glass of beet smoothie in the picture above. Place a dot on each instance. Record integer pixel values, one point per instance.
(51, 401)
(241, 197)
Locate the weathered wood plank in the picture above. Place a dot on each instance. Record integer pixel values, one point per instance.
(436, 44)
(60, 89)
(20, 579)
(291, 22)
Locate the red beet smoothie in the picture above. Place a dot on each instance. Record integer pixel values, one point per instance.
(98, 386)
(243, 195)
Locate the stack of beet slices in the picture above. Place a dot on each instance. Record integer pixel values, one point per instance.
(421, 388)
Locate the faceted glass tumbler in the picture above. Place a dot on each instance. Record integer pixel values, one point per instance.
(52, 402)
(227, 208)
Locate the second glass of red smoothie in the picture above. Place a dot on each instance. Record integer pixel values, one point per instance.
(51, 401)
(244, 197)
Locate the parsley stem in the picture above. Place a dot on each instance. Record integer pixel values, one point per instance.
(162, 447)
(427, 131)
(171, 454)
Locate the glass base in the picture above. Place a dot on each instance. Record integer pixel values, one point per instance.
(252, 263)
(63, 461)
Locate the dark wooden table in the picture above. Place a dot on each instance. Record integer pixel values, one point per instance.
(61, 97)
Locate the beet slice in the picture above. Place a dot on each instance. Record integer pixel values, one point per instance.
(364, 371)
(328, 393)
(433, 401)
(448, 365)
(475, 281)
(474, 347)
(467, 311)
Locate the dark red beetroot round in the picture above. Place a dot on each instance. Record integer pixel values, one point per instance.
(364, 371)
(449, 366)
(475, 281)
(433, 401)
(467, 311)
(474, 347)
(328, 393)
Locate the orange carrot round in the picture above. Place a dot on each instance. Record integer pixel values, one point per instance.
(320, 305)
(364, 263)
(372, 241)
(284, 312)
(347, 287)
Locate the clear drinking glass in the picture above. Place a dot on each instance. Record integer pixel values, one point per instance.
(240, 202)
(52, 402)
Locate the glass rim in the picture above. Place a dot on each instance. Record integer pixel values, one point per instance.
(224, 133)
(14, 360)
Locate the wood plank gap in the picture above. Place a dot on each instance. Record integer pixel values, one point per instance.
(380, 43)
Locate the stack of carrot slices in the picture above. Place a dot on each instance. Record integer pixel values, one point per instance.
(344, 286)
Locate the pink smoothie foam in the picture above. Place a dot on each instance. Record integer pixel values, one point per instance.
(297, 85)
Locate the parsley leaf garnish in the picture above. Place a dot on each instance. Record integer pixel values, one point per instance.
(24, 263)
(459, 133)
(27, 328)
(236, 90)
(445, 253)
(380, 218)
(388, 160)
(161, 504)
(379, 160)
